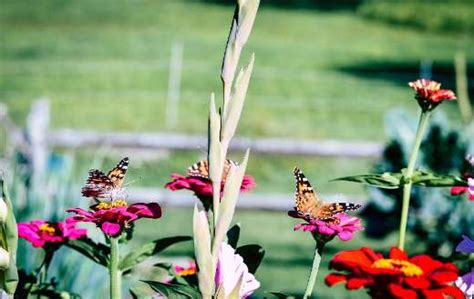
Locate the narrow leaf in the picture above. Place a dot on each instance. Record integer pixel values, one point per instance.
(386, 180)
(173, 291)
(97, 252)
(252, 254)
(140, 254)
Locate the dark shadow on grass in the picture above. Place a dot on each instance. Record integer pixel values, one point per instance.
(403, 72)
(322, 5)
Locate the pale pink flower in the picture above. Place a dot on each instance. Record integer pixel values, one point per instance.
(230, 268)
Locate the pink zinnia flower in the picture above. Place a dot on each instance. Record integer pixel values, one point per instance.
(113, 217)
(201, 185)
(342, 225)
(429, 93)
(230, 268)
(41, 233)
(458, 190)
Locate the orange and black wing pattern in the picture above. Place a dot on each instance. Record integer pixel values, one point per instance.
(309, 206)
(99, 184)
(201, 169)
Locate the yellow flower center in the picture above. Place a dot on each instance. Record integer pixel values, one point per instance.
(47, 228)
(110, 205)
(186, 272)
(407, 268)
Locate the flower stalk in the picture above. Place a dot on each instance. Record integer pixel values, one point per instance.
(114, 273)
(407, 182)
(318, 252)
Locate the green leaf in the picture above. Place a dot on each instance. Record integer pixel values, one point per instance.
(140, 254)
(252, 254)
(97, 252)
(173, 291)
(386, 180)
(434, 180)
(233, 235)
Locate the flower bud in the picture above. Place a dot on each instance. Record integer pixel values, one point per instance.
(3, 210)
(4, 259)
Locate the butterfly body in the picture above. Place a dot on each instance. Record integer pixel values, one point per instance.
(101, 185)
(309, 206)
(201, 169)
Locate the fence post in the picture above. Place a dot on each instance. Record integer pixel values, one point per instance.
(461, 86)
(174, 84)
(426, 68)
(37, 125)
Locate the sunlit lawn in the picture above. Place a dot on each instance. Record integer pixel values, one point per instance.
(105, 67)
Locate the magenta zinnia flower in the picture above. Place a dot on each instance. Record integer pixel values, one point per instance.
(41, 233)
(342, 225)
(201, 185)
(429, 93)
(230, 269)
(113, 217)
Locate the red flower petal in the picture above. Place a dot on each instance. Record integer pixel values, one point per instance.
(426, 263)
(443, 277)
(452, 292)
(399, 292)
(347, 260)
(398, 254)
(357, 283)
(457, 190)
(417, 282)
(333, 278)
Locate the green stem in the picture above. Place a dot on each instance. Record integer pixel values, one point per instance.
(422, 125)
(114, 273)
(318, 251)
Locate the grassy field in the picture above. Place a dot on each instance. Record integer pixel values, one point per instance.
(105, 67)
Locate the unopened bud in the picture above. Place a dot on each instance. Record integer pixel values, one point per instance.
(3, 210)
(4, 259)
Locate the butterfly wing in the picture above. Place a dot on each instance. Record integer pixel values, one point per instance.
(328, 210)
(98, 184)
(117, 174)
(201, 169)
(307, 203)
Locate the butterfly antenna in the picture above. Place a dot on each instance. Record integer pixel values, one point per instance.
(133, 181)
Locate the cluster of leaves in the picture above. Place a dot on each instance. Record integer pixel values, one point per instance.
(188, 287)
(435, 215)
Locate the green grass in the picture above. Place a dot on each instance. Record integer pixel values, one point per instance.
(105, 66)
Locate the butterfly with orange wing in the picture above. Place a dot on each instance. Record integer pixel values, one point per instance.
(201, 169)
(101, 185)
(310, 207)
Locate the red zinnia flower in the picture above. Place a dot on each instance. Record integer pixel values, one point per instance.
(395, 277)
(202, 186)
(41, 233)
(113, 217)
(429, 93)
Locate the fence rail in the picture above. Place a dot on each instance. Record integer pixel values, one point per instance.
(327, 148)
